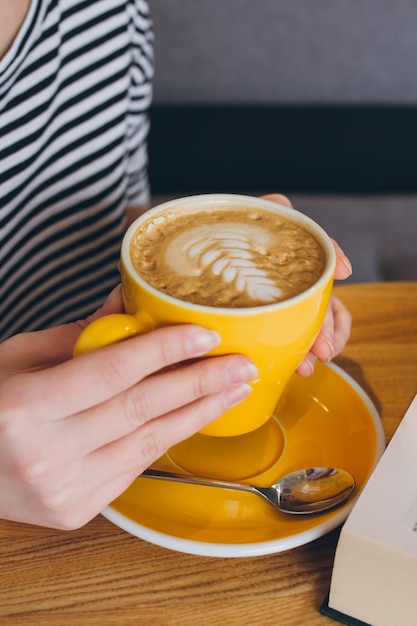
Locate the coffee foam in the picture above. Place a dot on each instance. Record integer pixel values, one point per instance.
(229, 252)
(233, 257)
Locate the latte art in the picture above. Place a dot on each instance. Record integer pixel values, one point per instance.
(229, 253)
(226, 257)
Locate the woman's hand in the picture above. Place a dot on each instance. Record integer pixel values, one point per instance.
(74, 433)
(335, 331)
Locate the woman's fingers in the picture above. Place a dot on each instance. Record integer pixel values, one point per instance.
(65, 486)
(149, 399)
(76, 492)
(323, 348)
(342, 325)
(331, 339)
(279, 198)
(102, 374)
(335, 331)
(139, 449)
(343, 266)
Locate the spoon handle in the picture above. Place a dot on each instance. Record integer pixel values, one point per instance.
(311, 490)
(197, 480)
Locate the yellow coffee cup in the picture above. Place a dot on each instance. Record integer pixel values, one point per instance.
(275, 335)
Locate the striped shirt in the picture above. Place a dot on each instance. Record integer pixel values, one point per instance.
(75, 88)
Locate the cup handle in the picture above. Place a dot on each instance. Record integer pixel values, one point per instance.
(111, 329)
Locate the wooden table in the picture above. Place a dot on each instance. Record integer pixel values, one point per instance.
(102, 575)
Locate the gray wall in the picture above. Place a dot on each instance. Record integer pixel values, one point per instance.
(285, 51)
(306, 52)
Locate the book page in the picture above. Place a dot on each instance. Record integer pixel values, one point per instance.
(386, 510)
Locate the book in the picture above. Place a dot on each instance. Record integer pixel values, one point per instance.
(374, 577)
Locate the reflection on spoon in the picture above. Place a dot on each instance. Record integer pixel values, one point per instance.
(311, 490)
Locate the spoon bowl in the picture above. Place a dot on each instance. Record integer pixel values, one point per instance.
(306, 491)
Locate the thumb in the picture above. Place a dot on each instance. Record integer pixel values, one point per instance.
(112, 304)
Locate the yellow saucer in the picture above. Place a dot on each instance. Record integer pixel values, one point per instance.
(324, 420)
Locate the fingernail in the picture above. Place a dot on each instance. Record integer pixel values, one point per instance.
(342, 256)
(201, 341)
(236, 394)
(336, 347)
(241, 371)
(331, 348)
(346, 263)
(307, 366)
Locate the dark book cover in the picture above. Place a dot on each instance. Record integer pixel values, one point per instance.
(326, 610)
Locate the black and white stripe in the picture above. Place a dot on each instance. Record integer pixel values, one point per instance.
(74, 92)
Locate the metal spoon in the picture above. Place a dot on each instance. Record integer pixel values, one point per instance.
(311, 490)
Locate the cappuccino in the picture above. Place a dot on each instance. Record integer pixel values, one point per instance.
(231, 255)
